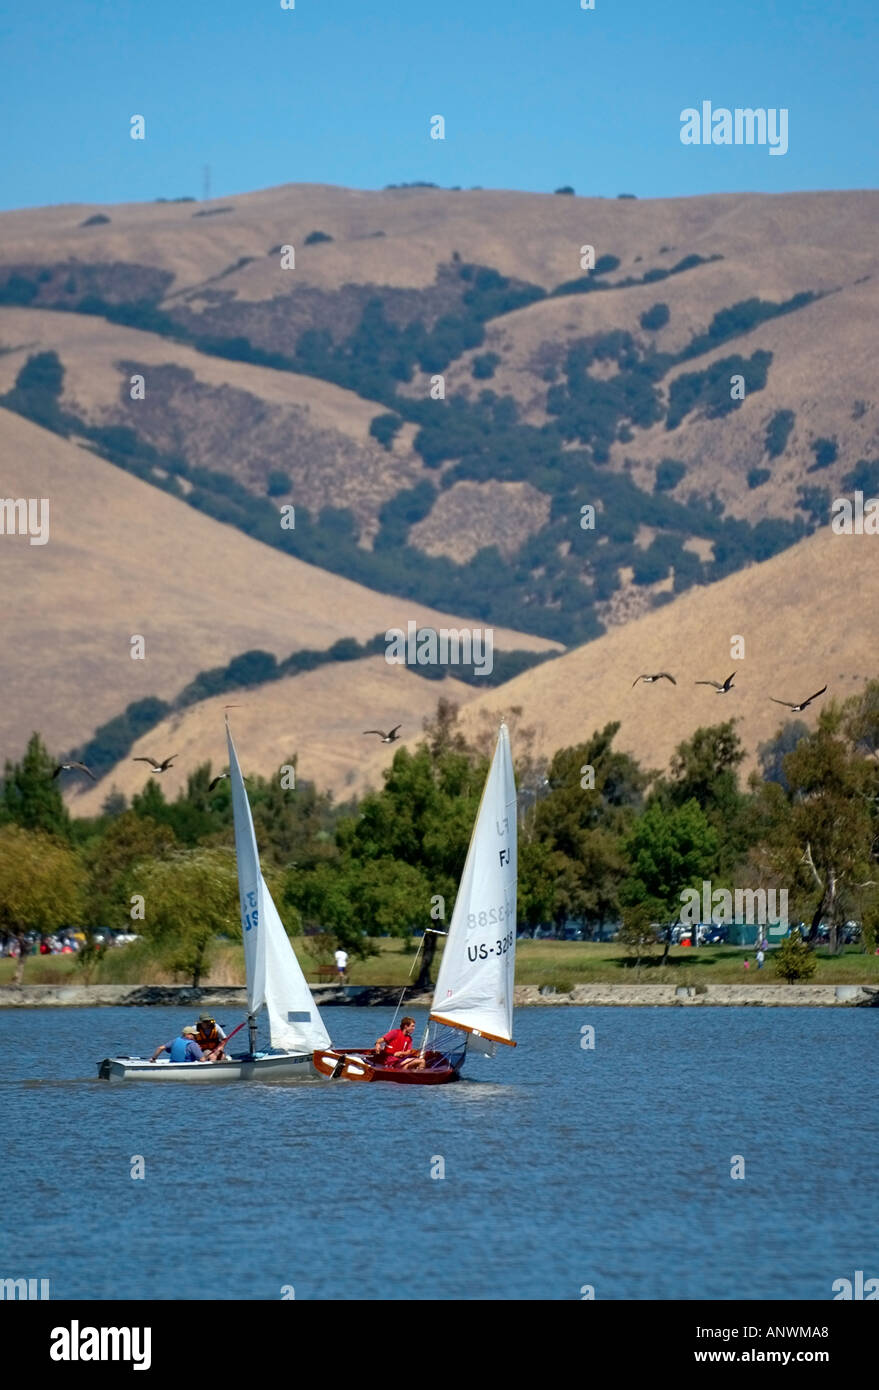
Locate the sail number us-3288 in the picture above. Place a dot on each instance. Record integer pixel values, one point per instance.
(498, 948)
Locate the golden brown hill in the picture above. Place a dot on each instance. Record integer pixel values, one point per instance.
(530, 235)
(320, 716)
(805, 618)
(126, 559)
(238, 419)
(225, 254)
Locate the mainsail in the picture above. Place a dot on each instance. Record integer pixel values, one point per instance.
(474, 988)
(274, 976)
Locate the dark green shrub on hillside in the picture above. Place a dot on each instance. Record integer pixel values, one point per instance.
(864, 477)
(384, 428)
(816, 502)
(668, 475)
(710, 389)
(278, 483)
(251, 668)
(758, 476)
(37, 392)
(778, 432)
(655, 318)
(314, 237)
(825, 451)
(742, 318)
(566, 188)
(97, 220)
(18, 289)
(401, 512)
(484, 365)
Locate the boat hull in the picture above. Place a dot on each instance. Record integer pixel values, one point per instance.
(270, 1067)
(360, 1064)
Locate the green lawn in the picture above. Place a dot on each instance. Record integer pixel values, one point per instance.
(558, 963)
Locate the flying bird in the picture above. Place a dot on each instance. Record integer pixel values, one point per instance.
(660, 675)
(386, 738)
(721, 689)
(802, 704)
(68, 767)
(157, 767)
(219, 778)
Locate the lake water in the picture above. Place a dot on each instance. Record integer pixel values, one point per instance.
(564, 1166)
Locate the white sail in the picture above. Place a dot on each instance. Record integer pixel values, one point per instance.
(474, 988)
(274, 976)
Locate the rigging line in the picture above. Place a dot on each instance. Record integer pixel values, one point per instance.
(405, 987)
(434, 932)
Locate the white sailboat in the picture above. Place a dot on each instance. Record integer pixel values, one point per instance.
(274, 981)
(473, 999)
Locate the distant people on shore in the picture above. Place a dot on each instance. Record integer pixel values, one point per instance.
(342, 965)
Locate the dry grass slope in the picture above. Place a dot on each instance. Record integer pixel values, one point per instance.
(125, 558)
(804, 616)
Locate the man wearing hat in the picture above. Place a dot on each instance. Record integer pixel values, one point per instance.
(210, 1038)
(183, 1049)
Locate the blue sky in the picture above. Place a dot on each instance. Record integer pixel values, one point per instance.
(534, 95)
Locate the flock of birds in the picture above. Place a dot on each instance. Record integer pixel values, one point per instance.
(390, 737)
(720, 687)
(724, 687)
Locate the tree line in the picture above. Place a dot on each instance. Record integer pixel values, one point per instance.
(601, 839)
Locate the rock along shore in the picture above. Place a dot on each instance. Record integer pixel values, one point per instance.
(637, 995)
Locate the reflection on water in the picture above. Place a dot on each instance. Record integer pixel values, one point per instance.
(562, 1166)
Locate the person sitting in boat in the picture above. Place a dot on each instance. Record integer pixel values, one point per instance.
(183, 1049)
(210, 1038)
(394, 1049)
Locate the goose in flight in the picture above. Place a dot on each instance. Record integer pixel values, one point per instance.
(721, 689)
(648, 680)
(803, 703)
(219, 778)
(68, 767)
(157, 767)
(386, 738)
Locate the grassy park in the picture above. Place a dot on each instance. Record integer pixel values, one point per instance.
(556, 963)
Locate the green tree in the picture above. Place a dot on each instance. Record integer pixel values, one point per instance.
(30, 796)
(42, 885)
(582, 829)
(704, 769)
(190, 898)
(110, 856)
(670, 849)
(637, 934)
(793, 960)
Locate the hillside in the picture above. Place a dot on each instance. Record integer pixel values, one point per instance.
(803, 615)
(319, 716)
(562, 388)
(125, 558)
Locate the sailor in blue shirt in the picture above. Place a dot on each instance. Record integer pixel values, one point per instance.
(183, 1049)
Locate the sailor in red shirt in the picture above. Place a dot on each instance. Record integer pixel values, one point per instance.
(397, 1043)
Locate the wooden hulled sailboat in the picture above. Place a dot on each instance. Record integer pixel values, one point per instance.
(473, 999)
(274, 981)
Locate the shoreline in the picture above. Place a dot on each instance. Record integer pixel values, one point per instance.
(526, 996)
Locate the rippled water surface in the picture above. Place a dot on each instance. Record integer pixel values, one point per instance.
(563, 1166)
